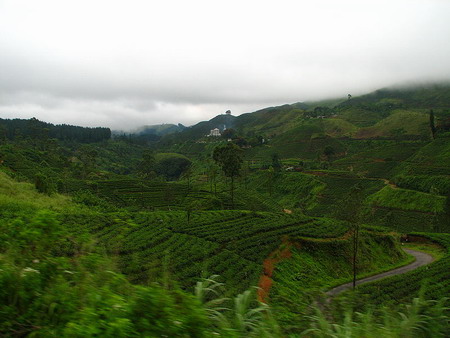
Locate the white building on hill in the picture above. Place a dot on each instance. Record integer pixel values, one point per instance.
(214, 132)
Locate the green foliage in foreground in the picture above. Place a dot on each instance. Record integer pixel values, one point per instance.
(62, 288)
(51, 284)
(420, 318)
(414, 304)
(56, 281)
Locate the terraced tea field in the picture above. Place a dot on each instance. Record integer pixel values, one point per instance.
(232, 244)
(336, 188)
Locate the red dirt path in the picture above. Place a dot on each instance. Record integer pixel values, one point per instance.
(265, 281)
(283, 252)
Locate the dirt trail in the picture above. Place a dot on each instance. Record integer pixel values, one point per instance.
(265, 281)
(389, 183)
(281, 253)
(422, 258)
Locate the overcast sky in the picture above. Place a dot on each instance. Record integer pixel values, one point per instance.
(123, 64)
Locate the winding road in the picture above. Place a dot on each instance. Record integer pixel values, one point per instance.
(422, 258)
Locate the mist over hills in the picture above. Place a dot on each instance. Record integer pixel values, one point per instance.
(157, 129)
(320, 192)
(382, 113)
(238, 169)
(377, 114)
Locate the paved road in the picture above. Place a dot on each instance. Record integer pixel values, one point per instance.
(422, 258)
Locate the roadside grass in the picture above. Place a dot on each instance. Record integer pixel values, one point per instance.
(435, 250)
(430, 281)
(408, 259)
(319, 265)
(419, 318)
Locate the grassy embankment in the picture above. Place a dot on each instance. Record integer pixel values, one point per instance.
(318, 265)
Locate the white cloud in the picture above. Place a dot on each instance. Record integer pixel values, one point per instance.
(117, 63)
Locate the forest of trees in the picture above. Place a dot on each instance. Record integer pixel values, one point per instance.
(35, 129)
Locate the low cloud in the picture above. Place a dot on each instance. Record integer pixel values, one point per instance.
(124, 64)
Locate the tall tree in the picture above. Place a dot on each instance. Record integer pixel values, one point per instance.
(3, 134)
(351, 210)
(229, 159)
(187, 175)
(328, 151)
(88, 157)
(270, 177)
(276, 163)
(432, 126)
(212, 176)
(245, 173)
(146, 166)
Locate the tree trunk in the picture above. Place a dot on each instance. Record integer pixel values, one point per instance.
(355, 252)
(232, 192)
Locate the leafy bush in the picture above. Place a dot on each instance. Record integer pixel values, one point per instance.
(171, 166)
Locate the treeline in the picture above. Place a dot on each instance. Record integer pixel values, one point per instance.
(140, 139)
(33, 128)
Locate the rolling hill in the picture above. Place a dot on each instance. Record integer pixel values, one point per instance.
(99, 235)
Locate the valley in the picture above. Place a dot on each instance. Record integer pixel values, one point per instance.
(171, 231)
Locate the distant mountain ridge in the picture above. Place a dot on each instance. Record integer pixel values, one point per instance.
(386, 112)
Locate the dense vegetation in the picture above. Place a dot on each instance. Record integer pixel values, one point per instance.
(38, 130)
(168, 231)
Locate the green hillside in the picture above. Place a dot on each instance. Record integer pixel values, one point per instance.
(309, 271)
(407, 200)
(63, 269)
(399, 123)
(183, 234)
(428, 282)
(160, 129)
(432, 159)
